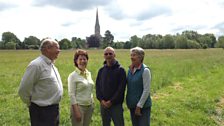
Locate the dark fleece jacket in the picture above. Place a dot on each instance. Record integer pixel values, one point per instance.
(111, 83)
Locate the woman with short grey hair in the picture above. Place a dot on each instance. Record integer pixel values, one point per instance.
(138, 89)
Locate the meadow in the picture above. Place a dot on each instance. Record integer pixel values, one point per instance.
(187, 86)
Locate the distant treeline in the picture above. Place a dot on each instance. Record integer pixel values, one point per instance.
(186, 40)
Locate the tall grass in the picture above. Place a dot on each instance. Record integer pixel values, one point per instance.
(186, 85)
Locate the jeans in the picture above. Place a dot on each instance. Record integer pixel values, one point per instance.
(115, 112)
(143, 120)
(44, 116)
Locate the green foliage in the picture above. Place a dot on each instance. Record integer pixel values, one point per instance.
(220, 43)
(10, 45)
(135, 40)
(93, 41)
(78, 43)
(108, 39)
(65, 44)
(10, 37)
(181, 42)
(31, 42)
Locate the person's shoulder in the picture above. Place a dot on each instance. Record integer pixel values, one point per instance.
(73, 74)
(101, 68)
(36, 62)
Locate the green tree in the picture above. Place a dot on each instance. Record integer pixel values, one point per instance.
(135, 40)
(65, 44)
(10, 37)
(10, 45)
(31, 42)
(93, 41)
(108, 39)
(212, 38)
(168, 42)
(127, 45)
(192, 44)
(78, 43)
(181, 42)
(118, 45)
(2, 45)
(205, 41)
(191, 35)
(220, 43)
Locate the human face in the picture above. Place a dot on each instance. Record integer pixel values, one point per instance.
(109, 56)
(135, 59)
(82, 62)
(53, 51)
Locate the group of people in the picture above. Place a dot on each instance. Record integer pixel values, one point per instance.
(41, 88)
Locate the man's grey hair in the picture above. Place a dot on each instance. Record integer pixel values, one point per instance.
(109, 48)
(139, 51)
(47, 43)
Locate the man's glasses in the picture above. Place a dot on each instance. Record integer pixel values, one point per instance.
(108, 54)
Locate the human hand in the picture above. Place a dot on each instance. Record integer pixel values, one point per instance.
(108, 104)
(78, 116)
(138, 111)
(103, 103)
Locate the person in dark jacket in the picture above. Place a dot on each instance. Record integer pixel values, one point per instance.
(110, 88)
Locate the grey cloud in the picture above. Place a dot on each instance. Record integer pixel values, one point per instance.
(67, 24)
(116, 14)
(75, 5)
(220, 27)
(4, 6)
(154, 12)
(180, 29)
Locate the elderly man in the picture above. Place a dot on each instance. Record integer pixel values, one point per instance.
(41, 87)
(110, 88)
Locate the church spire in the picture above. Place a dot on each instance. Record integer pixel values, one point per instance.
(97, 25)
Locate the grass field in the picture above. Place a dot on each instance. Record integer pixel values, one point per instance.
(187, 86)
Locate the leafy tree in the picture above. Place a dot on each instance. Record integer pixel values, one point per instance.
(191, 35)
(107, 39)
(31, 42)
(127, 45)
(65, 44)
(181, 42)
(135, 40)
(118, 45)
(192, 44)
(10, 37)
(78, 43)
(220, 43)
(212, 38)
(169, 42)
(205, 41)
(2, 45)
(10, 45)
(93, 41)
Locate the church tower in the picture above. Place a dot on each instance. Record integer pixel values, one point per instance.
(97, 25)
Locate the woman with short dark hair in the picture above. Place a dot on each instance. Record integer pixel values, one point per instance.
(80, 88)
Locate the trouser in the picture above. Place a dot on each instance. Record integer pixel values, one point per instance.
(86, 114)
(44, 116)
(143, 120)
(115, 112)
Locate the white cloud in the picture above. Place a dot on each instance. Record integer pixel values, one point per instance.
(124, 18)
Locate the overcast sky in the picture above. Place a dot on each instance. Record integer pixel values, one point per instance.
(60, 19)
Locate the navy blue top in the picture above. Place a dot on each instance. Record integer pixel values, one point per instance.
(111, 83)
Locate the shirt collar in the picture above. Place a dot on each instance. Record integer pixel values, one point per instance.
(138, 67)
(133, 68)
(80, 72)
(46, 59)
